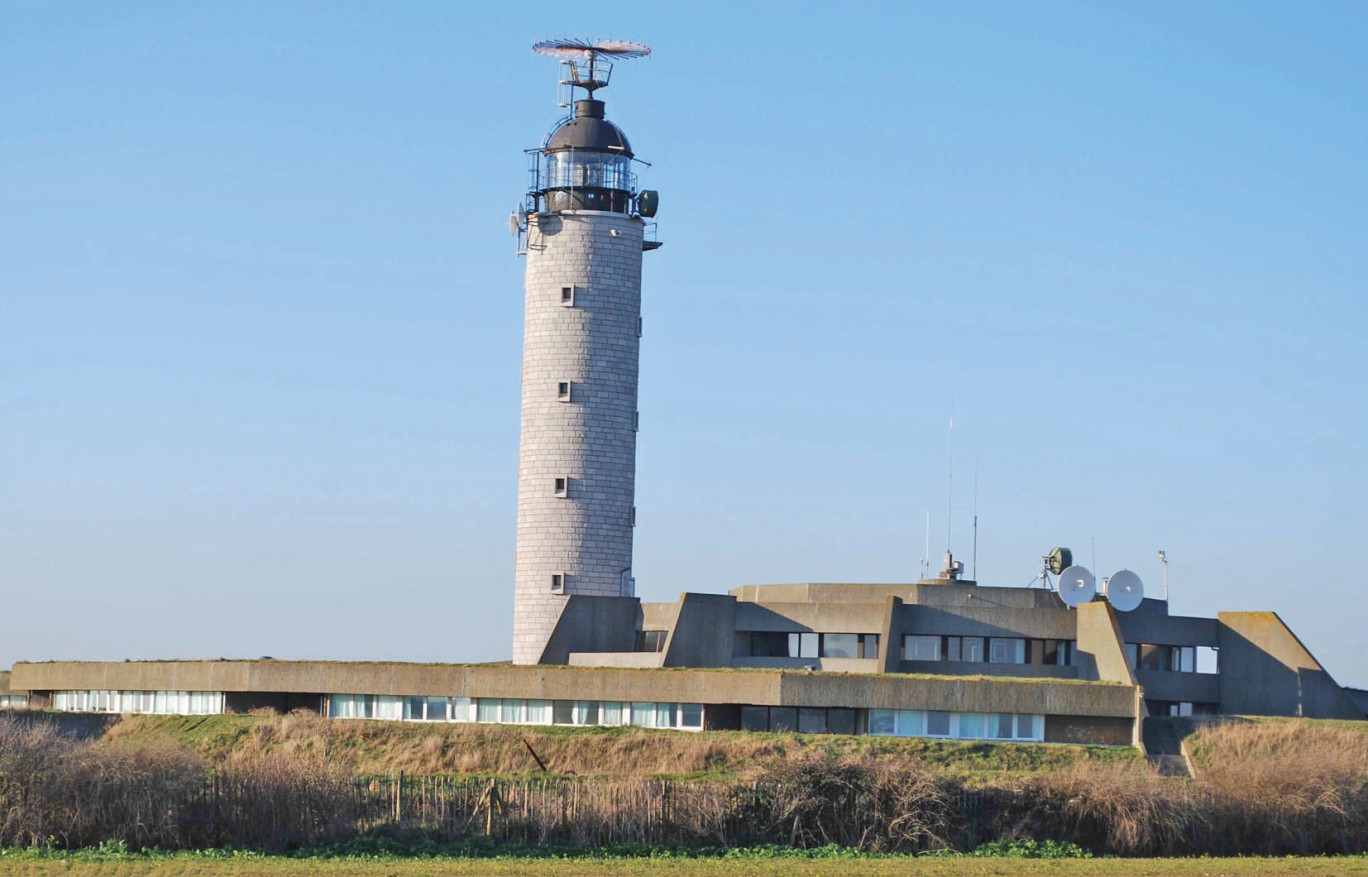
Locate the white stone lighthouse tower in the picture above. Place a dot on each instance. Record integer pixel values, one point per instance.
(581, 229)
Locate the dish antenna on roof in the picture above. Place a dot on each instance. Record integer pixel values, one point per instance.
(1077, 586)
(588, 65)
(1125, 591)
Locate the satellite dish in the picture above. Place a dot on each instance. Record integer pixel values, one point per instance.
(1125, 591)
(1077, 586)
(1059, 559)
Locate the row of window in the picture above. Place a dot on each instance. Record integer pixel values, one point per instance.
(990, 649)
(1180, 708)
(1172, 659)
(13, 701)
(813, 645)
(167, 703)
(516, 711)
(963, 726)
(804, 720)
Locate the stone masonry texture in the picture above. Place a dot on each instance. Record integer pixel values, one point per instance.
(585, 534)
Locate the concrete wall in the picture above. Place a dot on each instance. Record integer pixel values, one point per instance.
(703, 632)
(1168, 630)
(593, 624)
(590, 439)
(980, 620)
(760, 687)
(979, 668)
(1098, 649)
(1179, 687)
(1089, 729)
(1265, 670)
(1359, 697)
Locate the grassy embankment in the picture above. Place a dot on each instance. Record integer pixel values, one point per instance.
(375, 747)
(853, 867)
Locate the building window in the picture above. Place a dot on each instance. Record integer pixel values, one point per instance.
(921, 648)
(567, 298)
(651, 640)
(840, 645)
(562, 486)
(558, 583)
(937, 723)
(631, 521)
(638, 327)
(1006, 650)
(769, 645)
(563, 391)
(636, 421)
(869, 645)
(804, 645)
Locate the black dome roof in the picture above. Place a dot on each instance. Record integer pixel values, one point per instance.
(589, 130)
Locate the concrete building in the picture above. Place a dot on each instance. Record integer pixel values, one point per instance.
(942, 657)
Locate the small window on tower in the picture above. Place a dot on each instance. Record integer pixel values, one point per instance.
(558, 583)
(638, 327)
(567, 296)
(562, 487)
(563, 391)
(636, 421)
(633, 516)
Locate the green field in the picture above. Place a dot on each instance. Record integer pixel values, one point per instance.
(190, 865)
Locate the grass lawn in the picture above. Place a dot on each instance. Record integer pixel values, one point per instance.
(789, 867)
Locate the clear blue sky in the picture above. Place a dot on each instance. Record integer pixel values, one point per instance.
(260, 315)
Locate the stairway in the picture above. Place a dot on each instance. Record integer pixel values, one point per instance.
(1163, 743)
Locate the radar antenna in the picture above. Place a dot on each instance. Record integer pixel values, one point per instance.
(588, 65)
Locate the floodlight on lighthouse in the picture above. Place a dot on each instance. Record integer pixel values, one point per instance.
(1077, 586)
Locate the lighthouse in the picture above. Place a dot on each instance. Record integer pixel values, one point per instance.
(581, 228)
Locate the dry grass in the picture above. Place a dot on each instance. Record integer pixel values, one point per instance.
(375, 747)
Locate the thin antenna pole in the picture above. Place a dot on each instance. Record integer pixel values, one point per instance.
(950, 481)
(926, 556)
(974, 570)
(1163, 558)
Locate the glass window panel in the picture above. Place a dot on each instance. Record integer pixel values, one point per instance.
(436, 709)
(1026, 727)
(840, 721)
(754, 718)
(840, 645)
(612, 713)
(587, 712)
(538, 712)
(922, 648)
(911, 723)
(869, 645)
(883, 723)
(807, 645)
(1004, 726)
(1188, 663)
(1004, 650)
(691, 715)
(563, 712)
(1132, 654)
(953, 648)
(413, 708)
(971, 726)
(511, 711)
(665, 715)
(389, 706)
(793, 647)
(769, 645)
(973, 649)
(783, 718)
(487, 709)
(643, 715)
(938, 723)
(812, 721)
(460, 709)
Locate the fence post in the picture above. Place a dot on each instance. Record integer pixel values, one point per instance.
(399, 799)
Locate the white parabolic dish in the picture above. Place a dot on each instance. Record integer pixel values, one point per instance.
(1077, 586)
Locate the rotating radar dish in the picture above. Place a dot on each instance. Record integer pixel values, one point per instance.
(1125, 591)
(617, 50)
(1077, 586)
